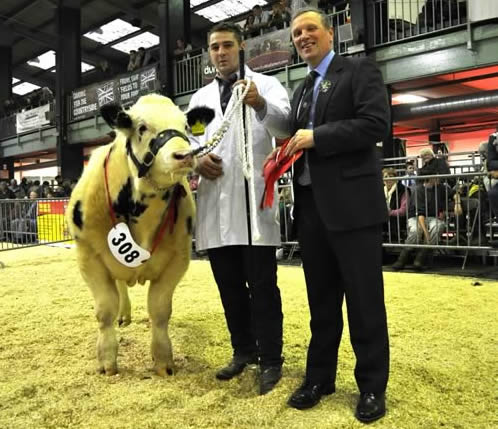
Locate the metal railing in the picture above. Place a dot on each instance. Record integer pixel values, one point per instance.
(396, 20)
(188, 73)
(31, 222)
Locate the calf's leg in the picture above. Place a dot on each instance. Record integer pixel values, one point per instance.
(106, 298)
(124, 312)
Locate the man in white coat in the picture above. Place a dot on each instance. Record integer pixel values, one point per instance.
(243, 262)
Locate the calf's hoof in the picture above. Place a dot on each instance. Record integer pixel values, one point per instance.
(108, 371)
(163, 372)
(124, 321)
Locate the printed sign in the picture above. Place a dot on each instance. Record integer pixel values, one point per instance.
(124, 89)
(32, 119)
(269, 51)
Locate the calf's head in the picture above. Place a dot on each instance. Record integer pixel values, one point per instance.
(154, 133)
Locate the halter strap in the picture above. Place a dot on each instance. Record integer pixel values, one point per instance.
(154, 146)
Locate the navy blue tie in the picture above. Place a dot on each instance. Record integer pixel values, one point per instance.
(303, 112)
(226, 91)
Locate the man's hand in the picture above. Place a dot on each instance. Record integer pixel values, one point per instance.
(303, 139)
(252, 98)
(493, 174)
(209, 166)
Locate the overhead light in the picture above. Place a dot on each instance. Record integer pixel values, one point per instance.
(408, 98)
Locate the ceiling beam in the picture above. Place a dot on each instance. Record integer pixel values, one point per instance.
(23, 30)
(24, 73)
(133, 11)
(205, 5)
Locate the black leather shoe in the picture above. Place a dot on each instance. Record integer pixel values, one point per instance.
(371, 407)
(270, 376)
(308, 395)
(235, 367)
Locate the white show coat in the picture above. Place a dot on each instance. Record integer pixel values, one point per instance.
(221, 203)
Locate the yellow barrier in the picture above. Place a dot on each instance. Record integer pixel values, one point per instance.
(51, 222)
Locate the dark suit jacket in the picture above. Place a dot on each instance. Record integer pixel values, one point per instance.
(350, 118)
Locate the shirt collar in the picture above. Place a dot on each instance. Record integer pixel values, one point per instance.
(322, 68)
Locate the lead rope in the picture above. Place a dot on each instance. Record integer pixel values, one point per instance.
(244, 145)
(246, 157)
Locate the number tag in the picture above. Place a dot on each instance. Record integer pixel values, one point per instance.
(124, 248)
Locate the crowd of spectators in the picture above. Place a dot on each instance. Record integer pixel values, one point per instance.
(16, 104)
(425, 209)
(59, 188)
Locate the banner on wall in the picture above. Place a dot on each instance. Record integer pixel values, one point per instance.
(123, 89)
(32, 119)
(269, 51)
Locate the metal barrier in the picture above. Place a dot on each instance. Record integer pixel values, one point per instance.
(401, 19)
(27, 223)
(466, 228)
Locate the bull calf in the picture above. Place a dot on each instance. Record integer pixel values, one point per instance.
(131, 215)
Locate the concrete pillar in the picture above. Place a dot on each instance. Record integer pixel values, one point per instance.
(68, 66)
(5, 74)
(174, 23)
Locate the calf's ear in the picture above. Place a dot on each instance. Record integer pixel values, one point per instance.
(202, 114)
(198, 118)
(115, 116)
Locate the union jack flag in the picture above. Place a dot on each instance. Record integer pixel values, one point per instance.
(105, 93)
(146, 77)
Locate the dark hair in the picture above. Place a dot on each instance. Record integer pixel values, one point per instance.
(227, 27)
(323, 17)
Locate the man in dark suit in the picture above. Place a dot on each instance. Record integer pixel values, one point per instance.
(339, 210)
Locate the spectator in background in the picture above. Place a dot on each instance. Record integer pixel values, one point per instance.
(16, 189)
(438, 164)
(182, 49)
(425, 215)
(410, 171)
(24, 224)
(139, 60)
(261, 19)
(24, 185)
(249, 26)
(492, 163)
(131, 62)
(397, 198)
(5, 191)
(286, 8)
(278, 18)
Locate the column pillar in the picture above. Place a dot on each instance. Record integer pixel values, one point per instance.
(174, 23)
(68, 66)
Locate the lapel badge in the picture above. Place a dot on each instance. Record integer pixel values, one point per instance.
(325, 85)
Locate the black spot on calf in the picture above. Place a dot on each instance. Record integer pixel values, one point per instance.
(77, 215)
(125, 205)
(189, 225)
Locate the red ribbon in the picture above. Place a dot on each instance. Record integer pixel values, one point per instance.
(273, 169)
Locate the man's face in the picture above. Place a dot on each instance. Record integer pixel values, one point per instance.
(224, 52)
(410, 169)
(312, 40)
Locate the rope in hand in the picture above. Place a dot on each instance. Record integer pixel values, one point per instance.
(244, 143)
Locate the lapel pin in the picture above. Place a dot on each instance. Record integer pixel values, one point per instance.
(325, 85)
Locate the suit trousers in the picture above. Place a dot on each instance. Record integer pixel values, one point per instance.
(340, 264)
(247, 281)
